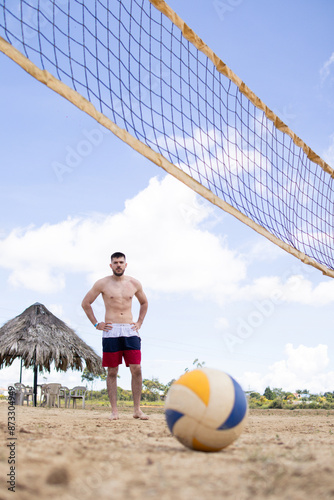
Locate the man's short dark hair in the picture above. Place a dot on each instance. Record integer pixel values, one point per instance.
(118, 255)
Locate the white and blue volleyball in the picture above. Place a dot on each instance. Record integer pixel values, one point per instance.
(206, 409)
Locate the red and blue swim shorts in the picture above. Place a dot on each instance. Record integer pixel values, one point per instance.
(118, 343)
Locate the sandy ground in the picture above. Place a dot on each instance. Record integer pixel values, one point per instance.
(79, 454)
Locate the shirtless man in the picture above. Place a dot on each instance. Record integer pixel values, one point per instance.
(120, 336)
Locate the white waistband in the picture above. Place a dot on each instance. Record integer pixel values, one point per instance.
(120, 330)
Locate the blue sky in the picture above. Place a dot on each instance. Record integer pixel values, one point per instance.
(217, 290)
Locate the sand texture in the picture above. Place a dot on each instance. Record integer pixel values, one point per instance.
(80, 454)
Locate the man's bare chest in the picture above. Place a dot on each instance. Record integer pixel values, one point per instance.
(119, 293)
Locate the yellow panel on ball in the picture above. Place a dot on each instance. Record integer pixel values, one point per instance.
(198, 382)
(198, 446)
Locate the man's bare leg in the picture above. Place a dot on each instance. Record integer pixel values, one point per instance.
(136, 386)
(112, 391)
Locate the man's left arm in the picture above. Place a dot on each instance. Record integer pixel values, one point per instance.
(143, 308)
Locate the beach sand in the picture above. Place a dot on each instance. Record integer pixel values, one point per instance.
(80, 454)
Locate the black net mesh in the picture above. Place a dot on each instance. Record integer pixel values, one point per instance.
(134, 65)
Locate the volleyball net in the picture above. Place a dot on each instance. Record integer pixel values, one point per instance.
(141, 72)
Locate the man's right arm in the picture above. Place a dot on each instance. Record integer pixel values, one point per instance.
(89, 299)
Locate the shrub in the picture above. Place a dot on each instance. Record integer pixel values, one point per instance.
(276, 403)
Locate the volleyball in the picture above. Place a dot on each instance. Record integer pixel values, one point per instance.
(206, 409)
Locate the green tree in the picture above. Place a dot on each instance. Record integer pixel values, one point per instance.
(254, 395)
(90, 377)
(278, 393)
(268, 394)
(123, 394)
(167, 386)
(329, 396)
(276, 403)
(152, 389)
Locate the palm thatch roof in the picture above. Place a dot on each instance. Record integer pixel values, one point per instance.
(40, 338)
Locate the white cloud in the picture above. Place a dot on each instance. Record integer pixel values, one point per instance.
(329, 153)
(219, 157)
(222, 324)
(307, 361)
(303, 368)
(325, 70)
(160, 230)
(40, 279)
(262, 250)
(164, 232)
(56, 309)
(294, 289)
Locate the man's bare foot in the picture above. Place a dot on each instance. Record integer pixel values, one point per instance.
(114, 416)
(139, 414)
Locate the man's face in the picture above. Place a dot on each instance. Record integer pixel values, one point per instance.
(118, 266)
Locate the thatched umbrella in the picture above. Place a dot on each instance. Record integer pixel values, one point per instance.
(40, 338)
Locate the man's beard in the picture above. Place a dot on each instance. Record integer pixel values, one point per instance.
(119, 273)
